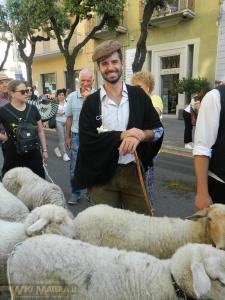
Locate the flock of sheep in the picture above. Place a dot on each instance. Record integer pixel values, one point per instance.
(104, 253)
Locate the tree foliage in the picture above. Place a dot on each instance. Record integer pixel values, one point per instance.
(141, 49)
(4, 35)
(191, 86)
(61, 19)
(26, 29)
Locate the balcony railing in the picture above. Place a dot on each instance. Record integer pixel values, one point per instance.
(174, 12)
(105, 33)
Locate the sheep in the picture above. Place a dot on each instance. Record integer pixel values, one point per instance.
(11, 208)
(38, 269)
(33, 190)
(103, 225)
(45, 219)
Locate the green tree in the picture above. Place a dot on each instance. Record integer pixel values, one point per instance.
(26, 29)
(191, 86)
(5, 36)
(63, 17)
(141, 49)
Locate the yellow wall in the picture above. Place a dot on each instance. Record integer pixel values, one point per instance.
(203, 26)
(57, 65)
(53, 61)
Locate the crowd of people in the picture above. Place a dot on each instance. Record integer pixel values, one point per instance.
(102, 133)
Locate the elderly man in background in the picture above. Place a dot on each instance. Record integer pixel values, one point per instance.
(75, 102)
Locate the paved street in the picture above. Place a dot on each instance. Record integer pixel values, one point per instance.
(174, 174)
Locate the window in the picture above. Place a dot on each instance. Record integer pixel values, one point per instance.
(49, 83)
(170, 62)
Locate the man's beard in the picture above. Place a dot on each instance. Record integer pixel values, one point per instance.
(113, 81)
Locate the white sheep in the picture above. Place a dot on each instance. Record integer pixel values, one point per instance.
(103, 225)
(33, 190)
(45, 219)
(51, 266)
(11, 208)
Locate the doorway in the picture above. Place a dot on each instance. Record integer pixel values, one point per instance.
(169, 95)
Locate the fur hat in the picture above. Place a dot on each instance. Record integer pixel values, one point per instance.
(105, 49)
(4, 76)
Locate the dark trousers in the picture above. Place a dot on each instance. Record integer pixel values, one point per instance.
(122, 191)
(187, 127)
(216, 190)
(31, 160)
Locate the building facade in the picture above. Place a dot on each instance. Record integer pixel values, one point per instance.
(220, 59)
(182, 42)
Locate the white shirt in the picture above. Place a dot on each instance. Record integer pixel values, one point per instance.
(207, 126)
(115, 116)
(61, 110)
(190, 105)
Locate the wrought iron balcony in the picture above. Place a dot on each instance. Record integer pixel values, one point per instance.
(174, 12)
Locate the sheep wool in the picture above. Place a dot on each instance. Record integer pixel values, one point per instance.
(103, 225)
(11, 208)
(45, 219)
(31, 189)
(57, 267)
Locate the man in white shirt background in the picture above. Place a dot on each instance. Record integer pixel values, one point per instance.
(209, 149)
(75, 102)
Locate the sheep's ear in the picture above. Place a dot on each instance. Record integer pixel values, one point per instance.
(201, 281)
(199, 215)
(36, 227)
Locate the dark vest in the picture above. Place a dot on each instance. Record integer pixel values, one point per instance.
(217, 161)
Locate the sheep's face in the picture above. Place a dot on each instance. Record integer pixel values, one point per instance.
(216, 225)
(214, 219)
(200, 271)
(213, 262)
(49, 219)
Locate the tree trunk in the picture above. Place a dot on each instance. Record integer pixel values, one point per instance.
(70, 62)
(6, 55)
(70, 57)
(141, 49)
(70, 83)
(28, 64)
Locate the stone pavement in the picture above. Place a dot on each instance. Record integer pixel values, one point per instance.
(173, 141)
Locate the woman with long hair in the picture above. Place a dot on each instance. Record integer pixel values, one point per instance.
(11, 116)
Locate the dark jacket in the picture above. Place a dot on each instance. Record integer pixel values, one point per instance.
(217, 161)
(98, 153)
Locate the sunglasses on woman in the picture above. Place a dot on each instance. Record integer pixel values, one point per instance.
(22, 92)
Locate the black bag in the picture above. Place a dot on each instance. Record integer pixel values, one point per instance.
(52, 122)
(27, 138)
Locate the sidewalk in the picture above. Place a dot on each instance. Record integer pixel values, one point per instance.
(173, 141)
